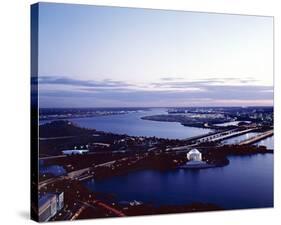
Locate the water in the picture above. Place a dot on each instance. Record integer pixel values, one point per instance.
(268, 142)
(132, 124)
(53, 169)
(232, 123)
(247, 182)
(238, 139)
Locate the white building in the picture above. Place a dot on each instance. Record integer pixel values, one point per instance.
(49, 205)
(75, 152)
(194, 155)
(60, 200)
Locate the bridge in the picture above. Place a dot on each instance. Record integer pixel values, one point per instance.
(225, 135)
(257, 138)
(194, 138)
(77, 173)
(213, 137)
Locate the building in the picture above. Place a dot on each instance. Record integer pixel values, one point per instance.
(194, 155)
(194, 158)
(75, 152)
(49, 205)
(60, 200)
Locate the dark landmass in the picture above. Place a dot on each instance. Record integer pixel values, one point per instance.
(209, 117)
(167, 209)
(60, 135)
(62, 128)
(186, 120)
(257, 114)
(70, 113)
(148, 209)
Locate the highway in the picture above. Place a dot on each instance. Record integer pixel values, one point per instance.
(55, 138)
(89, 153)
(49, 181)
(111, 209)
(77, 214)
(52, 157)
(226, 135)
(73, 174)
(219, 136)
(105, 206)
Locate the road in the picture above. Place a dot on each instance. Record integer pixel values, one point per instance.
(257, 138)
(105, 206)
(228, 134)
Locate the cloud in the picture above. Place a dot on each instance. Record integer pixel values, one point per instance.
(170, 83)
(75, 82)
(170, 92)
(171, 78)
(142, 97)
(164, 83)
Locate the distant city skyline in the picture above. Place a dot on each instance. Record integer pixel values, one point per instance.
(93, 56)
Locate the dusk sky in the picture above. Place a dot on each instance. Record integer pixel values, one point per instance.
(93, 56)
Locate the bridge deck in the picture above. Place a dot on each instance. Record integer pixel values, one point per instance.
(257, 138)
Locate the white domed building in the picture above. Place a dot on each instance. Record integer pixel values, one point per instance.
(194, 155)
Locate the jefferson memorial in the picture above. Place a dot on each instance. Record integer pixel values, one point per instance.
(194, 155)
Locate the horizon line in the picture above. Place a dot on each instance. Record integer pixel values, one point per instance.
(250, 106)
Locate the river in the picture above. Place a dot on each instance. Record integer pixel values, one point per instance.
(247, 182)
(133, 125)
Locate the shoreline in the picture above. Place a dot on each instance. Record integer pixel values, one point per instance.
(132, 154)
(186, 122)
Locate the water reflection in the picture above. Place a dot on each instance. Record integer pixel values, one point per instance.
(246, 182)
(53, 169)
(268, 142)
(132, 124)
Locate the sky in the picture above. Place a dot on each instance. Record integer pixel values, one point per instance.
(93, 56)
